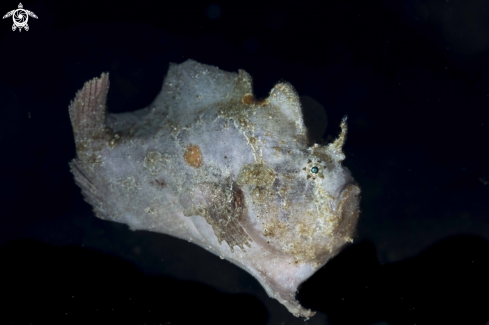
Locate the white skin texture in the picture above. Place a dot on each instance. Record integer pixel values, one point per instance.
(209, 163)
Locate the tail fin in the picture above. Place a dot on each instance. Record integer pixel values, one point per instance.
(97, 196)
(88, 112)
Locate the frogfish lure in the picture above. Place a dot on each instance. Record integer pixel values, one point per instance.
(209, 163)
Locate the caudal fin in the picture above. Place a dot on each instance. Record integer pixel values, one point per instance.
(88, 111)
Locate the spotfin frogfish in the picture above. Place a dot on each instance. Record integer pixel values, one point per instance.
(209, 163)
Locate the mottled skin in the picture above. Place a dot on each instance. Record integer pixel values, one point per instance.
(208, 163)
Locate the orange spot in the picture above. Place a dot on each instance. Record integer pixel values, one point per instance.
(249, 99)
(193, 156)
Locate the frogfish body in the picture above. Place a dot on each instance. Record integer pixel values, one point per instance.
(209, 163)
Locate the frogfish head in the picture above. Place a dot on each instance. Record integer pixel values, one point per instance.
(302, 203)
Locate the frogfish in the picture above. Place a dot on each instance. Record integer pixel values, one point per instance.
(209, 163)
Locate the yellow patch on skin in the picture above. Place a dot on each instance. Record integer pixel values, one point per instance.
(193, 156)
(249, 99)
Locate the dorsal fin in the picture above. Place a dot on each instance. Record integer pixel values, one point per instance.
(284, 96)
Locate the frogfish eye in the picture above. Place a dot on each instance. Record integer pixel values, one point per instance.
(314, 170)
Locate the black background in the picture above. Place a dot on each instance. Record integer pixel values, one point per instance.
(413, 78)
